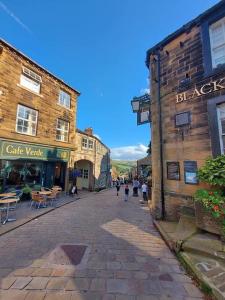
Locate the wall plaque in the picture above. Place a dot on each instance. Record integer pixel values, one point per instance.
(173, 170)
(190, 172)
(182, 119)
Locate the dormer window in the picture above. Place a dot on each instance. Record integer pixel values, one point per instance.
(217, 42)
(30, 80)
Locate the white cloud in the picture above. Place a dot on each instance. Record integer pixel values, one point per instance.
(129, 152)
(13, 16)
(145, 91)
(97, 136)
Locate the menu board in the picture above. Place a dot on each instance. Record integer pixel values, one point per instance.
(190, 172)
(173, 170)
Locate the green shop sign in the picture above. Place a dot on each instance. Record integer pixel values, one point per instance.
(20, 150)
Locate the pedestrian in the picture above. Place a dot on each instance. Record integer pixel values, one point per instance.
(144, 189)
(135, 187)
(117, 186)
(74, 190)
(126, 190)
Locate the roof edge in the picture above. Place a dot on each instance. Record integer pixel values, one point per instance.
(84, 133)
(37, 65)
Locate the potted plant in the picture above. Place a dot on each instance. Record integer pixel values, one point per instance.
(26, 193)
(210, 201)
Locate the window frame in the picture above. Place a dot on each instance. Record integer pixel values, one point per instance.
(84, 147)
(206, 45)
(23, 119)
(57, 129)
(85, 173)
(90, 142)
(26, 74)
(63, 104)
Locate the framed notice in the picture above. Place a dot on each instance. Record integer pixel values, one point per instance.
(173, 170)
(190, 172)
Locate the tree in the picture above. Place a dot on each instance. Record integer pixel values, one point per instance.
(149, 150)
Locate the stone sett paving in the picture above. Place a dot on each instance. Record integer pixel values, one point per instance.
(126, 259)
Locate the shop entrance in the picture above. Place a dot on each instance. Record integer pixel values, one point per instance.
(59, 174)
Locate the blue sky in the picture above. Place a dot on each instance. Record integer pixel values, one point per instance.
(99, 48)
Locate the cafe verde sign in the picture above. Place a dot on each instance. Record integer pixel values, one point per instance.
(205, 89)
(18, 150)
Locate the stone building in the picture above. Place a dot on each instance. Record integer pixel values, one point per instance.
(91, 161)
(37, 122)
(187, 71)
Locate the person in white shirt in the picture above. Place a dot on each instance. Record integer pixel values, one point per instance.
(144, 189)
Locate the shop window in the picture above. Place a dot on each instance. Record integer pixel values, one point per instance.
(90, 144)
(30, 80)
(85, 174)
(26, 122)
(64, 99)
(217, 42)
(221, 126)
(84, 143)
(62, 130)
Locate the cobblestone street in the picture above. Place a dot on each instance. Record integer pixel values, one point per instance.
(125, 256)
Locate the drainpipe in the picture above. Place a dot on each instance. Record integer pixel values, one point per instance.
(160, 133)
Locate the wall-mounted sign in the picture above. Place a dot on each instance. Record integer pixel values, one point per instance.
(20, 150)
(182, 119)
(205, 89)
(190, 172)
(173, 170)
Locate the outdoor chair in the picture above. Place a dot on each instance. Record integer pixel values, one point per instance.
(37, 200)
(53, 197)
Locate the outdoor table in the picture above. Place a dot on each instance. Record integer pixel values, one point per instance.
(45, 193)
(8, 201)
(8, 195)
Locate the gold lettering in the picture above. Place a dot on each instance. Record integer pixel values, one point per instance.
(217, 84)
(11, 150)
(206, 89)
(181, 97)
(195, 93)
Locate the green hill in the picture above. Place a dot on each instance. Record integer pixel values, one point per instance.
(123, 167)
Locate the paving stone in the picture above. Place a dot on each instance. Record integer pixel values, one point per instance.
(125, 297)
(57, 283)
(42, 272)
(192, 290)
(60, 272)
(147, 297)
(98, 284)
(140, 275)
(78, 284)
(109, 297)
(123, 274)
(35, 295)
(21, 282)
(13, 295)
(58, 296)
(6, 283)
(119, 286)
(104, 274)
(23, 272)
(114, 265)
(76, 296)
(38, 283)
(165, 277)
(222, 288)
(219, 279)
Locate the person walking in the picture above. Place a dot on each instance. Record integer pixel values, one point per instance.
(135, 187)
(126, 190)
(144, 189)
(117, 186)
(74, 190)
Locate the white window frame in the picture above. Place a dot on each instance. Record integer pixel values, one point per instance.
(63, 131)
(90, 144)
(23, 119)
(30, 80)
(214, 48)
(84, 143)
(221, 134)
(63, 98)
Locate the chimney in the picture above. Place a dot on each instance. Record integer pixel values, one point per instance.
(89, 130)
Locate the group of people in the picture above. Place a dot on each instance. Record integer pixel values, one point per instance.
(136, 186)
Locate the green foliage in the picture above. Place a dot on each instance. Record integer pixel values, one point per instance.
(26, 190)
(213, 172)
(123, 167)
